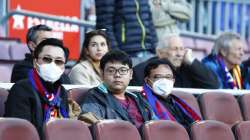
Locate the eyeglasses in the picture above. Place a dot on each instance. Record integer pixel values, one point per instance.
(121, 71)
(48, 60)
(158, 77)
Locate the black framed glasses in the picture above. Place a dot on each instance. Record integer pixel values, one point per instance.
(113, 71)
(48, 60)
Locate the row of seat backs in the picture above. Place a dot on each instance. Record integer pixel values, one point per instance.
(223, 107)
(13, 51)
(214, 106)
(65, 129)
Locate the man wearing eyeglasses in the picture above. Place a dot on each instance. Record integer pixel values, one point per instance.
(110, 100)
(158, 84)
(34, 36)
(41, 97)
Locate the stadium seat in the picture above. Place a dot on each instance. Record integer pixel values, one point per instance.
(115, 130)
(17, 129)
(164, 129)
(3, 97)
(18, 51)
(188, 42)
(242, 130)
(5, 52)
(5, 73)
(221, 107)
(211, 130)
(78, 94)
(67, 129)
(244, 101)
(204, 44)
(190, 100)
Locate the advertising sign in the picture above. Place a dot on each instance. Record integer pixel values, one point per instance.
(69, 33)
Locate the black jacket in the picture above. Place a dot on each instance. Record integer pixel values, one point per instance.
(21, 70)
(129, 24)
(105, 105)
(25, 102)
(194, 76)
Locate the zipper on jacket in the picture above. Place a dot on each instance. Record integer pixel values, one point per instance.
(123, 35)
(141, 24)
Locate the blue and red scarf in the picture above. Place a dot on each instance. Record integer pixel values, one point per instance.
(162, 112)
(230, 81)
(52, 106)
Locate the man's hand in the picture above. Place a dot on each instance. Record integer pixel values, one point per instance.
(188, 58)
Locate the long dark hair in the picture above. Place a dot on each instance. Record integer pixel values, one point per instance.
(88, 36)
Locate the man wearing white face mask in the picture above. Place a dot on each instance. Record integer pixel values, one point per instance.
(41, 97)
(158, 84)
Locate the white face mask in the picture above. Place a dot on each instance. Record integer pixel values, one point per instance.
(49, 72)
(163, 87)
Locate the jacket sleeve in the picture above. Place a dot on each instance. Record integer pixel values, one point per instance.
(201, 76)
(179, 9)
(153, 32)
(19, 72)
(90, 104)
(79, 75)
(105, 10)
(18, 104)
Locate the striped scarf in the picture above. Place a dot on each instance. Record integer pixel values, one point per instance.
(52, 106)
(230, 81)
(162, 112)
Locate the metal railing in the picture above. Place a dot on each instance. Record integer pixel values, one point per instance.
(78, 22)
(210, 17)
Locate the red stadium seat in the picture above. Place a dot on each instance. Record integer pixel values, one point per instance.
(17, 129)
(3, 97)
(244, 101)
(221, 107)
(78, 94)
(211, 130)
(115, 130)
(164, 129)
(242, 130)
(190, 100)
(67, 129)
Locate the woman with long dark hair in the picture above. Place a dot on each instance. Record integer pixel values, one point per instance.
(87, 71)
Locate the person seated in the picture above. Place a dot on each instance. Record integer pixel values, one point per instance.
(189, 72)
(158, 83)
(34, 36)
(41, 97)
(225, 62)
(110, 100)
(87, 70)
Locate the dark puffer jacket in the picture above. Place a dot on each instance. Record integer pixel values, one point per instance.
(128, 23)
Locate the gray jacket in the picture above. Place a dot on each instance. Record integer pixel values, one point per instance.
(166, 13)
(103, 104)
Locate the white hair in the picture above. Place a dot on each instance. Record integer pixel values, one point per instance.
(164, 40)
(224, 41)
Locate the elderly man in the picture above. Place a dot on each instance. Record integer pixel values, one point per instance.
(110, 100)
(34, 36)
(41, 97)
(189, 72)
(225, 61)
